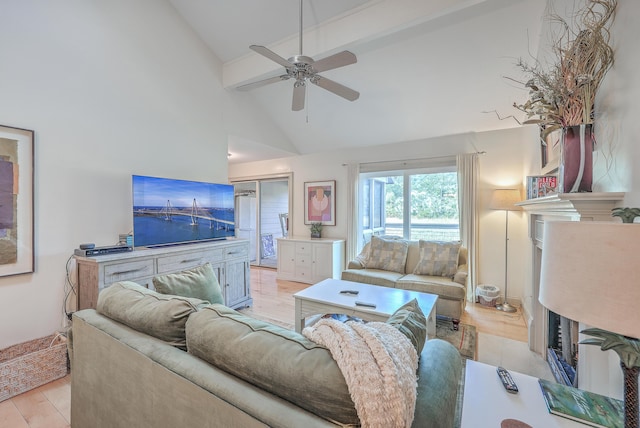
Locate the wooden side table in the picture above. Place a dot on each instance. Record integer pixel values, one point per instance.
(487, 403)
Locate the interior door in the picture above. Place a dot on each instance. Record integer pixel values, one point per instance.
(262, 216)
(273, 202)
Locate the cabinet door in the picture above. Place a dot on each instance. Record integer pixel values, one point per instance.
(322, 262)
(286, 258)
(218, 270)
(237, 283)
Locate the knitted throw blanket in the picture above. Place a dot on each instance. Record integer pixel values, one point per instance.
(379, 365)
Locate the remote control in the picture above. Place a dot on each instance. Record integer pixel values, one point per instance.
(368, 305)
(507, 380)
(353, 292)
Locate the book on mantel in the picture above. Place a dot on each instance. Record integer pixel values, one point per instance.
(582, 406)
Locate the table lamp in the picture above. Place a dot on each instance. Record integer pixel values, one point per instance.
(589, 273)
(505, 199)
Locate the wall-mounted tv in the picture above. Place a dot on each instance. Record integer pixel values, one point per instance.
(168, 211)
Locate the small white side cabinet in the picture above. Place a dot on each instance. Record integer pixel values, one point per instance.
(229, 259)
(310, 260)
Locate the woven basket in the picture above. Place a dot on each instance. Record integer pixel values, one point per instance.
(31, 364)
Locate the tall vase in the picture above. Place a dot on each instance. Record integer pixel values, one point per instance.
(575, 173)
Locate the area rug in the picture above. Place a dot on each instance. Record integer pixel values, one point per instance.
(464, 339)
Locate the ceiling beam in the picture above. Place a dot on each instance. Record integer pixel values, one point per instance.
(373, 21)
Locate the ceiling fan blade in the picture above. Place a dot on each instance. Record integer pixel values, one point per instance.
(334, 61)
(259, 83)
(271, 55)
(299, 92)
(336, 88)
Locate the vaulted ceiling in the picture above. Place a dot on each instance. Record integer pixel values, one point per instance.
(425, 68)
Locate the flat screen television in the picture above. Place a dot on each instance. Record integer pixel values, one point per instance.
(168, 211)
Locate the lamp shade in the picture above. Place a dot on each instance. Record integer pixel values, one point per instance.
(505, 199)
(590, 273)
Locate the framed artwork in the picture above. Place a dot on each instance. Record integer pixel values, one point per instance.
(320, 202)
(550, 151)
(16, 201)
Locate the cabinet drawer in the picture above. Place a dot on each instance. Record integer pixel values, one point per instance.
(129, 271)
(303, 261)
(303, 248)
(303, 274)
(186, 261)
(240, 251)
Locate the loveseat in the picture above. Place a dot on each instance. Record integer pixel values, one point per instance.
(142, 359)
(425, 266)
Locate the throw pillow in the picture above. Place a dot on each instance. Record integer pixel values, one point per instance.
(144, 310)
(438, 258)
(410, 321)
(199, 282)
(387, 254)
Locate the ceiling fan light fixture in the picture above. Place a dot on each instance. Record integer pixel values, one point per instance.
(302, 68)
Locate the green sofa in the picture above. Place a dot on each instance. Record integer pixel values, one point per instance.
(130, 369)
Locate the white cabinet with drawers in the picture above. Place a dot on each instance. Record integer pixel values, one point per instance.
(310, 260)
(229, 259)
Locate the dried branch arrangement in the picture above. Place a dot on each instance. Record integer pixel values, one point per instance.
(564, 94)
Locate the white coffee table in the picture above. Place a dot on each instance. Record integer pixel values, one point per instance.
(325, 298)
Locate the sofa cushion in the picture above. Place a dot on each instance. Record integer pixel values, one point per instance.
(199, 282)
(438, 258)
(158, 315)
(442, 286)
(372, 276)
(410, 321)
(277, 360)
(387, 254)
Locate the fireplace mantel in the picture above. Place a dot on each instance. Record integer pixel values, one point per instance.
(573, 207)
(579, 206)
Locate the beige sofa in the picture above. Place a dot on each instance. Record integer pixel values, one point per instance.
(451, 290)
(130, 369)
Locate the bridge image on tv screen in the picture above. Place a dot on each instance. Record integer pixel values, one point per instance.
(169, 211)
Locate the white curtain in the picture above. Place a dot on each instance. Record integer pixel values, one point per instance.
(467, 165)
(353, 176)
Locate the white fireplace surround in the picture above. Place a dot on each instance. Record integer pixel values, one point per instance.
(592, 365)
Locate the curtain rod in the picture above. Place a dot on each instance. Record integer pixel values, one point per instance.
(419, 159)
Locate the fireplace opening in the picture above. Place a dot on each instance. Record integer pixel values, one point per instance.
(562, 349)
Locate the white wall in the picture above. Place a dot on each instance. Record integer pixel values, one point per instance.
(502, 166)
(111, 88)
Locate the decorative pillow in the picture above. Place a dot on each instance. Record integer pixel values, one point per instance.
(387, 254)
(410, 321)
(199, 282)
(161, 316)
(275, 359)
(438, 258)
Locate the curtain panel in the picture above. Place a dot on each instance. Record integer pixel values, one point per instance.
(467, 165)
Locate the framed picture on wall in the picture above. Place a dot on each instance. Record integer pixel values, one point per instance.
(16, 201)
(320, 202)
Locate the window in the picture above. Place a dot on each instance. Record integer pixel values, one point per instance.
(413, 204)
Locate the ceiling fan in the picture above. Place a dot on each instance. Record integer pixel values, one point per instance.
(302, 69)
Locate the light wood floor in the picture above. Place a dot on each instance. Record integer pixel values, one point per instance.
(49, 406)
